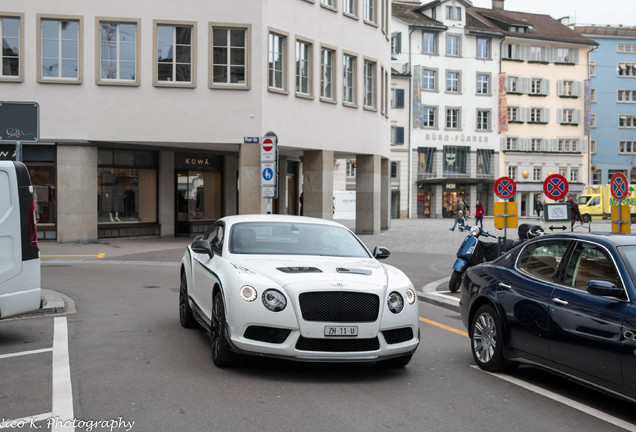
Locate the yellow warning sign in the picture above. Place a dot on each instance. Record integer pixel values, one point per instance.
(621, 222)
(506, 215)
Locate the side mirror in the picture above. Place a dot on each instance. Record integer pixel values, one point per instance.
(202, 247)
(380, 252)
(604, 289)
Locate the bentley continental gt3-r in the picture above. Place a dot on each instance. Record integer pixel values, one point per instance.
(298, 288)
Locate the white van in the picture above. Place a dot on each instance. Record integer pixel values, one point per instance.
(19, 252)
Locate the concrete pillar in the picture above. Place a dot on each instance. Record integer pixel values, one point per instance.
(76, 193)
(318, 183)
(437, 204)
(249, 179)
(230, 183)
(368, 199)
(385, 194)
(166, 194)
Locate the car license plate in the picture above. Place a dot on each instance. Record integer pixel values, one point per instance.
(341, 331)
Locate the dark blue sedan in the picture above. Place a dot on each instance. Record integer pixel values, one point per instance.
(565, 302)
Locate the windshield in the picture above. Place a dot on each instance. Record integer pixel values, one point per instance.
(583, 199)
(283, 238)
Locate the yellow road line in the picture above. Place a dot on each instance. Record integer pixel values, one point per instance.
(100, 255)
(445, 327)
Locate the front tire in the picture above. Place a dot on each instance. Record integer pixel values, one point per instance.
(455, 281)
(222, 356)
(186, 317)
(487, 340)
(586, 218)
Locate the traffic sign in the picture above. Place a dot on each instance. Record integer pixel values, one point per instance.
(620, 219)
(268, 149)
(505, 187)
(619, 187)
(268, 173)
(506, 215)
(555, 187)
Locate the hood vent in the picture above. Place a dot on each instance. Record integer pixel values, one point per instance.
(363, 272)
(299, 269)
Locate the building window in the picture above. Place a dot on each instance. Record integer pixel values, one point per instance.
(511, 143)
(425, 158)
(453, 13)
(564, 55)
(175, 54)
(484, 161)
(428, 119)
(350, 7)
(574, 174)
(592, 69)
(327, 69)
(369, 84)
(592, 120)
(627, 121)
(229, 56)
(592, 95)
(627, 147)
(510, 52)
(429, 80)
(303, 68)
(512, 172)
(397, 98)
(60, 55)
(568, 88)
(535, 115)
(563, 171)
(513, 114)
(453, 118)
(626, 96)
(536, 144)
(536, 53)
(277, 61)
(349, 79)
(396, 43)
(593, 146)
(118, 52)
(397, 135)
(536, 86)
(626, 69)
(596, 176)
(395, 168)
(537, 174)
(483, 84)
(568, 145)
(453, 45)
(429, 43)
(483, 48)
(567, 116)
(12, 36)
(626, 48)
(483, 120)
(455, 160)
(370, 10)
(351, 168)
(329, 3)
(452, 82)
(512, 84)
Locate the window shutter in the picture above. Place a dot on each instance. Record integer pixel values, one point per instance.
(560, 115)
(399, 138)
(502, 142)
(560, 87)
(524, 52)
(399, 98)
(524, 144)
(524, 85)
(574, 52)
(545, 115)
(398, 43)
(577, 116)
(577, 88)
(545, 86)
(524, 114)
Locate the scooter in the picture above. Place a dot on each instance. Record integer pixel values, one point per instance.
(473, 251)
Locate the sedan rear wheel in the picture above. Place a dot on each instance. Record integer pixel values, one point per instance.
(186, 317)
(486, 340)
(221, 354)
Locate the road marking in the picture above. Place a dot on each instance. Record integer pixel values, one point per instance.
(565, 401)
(445, 327)
(99, 255)
(23, 353)
(62, 389)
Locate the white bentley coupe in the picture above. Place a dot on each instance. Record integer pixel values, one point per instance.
(297, 288)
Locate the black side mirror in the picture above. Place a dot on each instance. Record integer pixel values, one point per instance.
(604, 289)
(202, 247)
(380, 252)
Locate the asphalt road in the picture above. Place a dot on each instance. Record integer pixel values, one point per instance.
(129, 360)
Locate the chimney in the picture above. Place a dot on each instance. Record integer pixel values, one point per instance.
(498, 5)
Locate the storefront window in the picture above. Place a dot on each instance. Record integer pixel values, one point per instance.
(199, 196)
(425, 160)
(455, 160)
(127, 186)
(423, 201)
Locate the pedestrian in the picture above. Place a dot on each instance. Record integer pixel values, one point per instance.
(466, 210)
(538, 206)
(479, 214)
(575, 214)
(459, 215)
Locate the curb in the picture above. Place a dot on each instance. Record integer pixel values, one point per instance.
(53, 303)
(435, 293)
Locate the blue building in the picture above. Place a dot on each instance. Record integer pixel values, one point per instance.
(613, 102)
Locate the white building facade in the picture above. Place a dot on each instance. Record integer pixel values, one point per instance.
(145, 108)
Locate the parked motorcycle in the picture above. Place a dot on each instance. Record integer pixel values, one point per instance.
(473, 251)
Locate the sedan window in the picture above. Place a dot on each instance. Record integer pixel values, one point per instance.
(542, 259)
(590, 262)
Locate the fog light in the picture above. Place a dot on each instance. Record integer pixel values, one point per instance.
(248, 293)
(410, 296)
(274, 300)
(395, 302)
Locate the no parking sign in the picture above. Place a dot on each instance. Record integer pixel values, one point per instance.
(505, 187)
(555, 187)
(619, 187)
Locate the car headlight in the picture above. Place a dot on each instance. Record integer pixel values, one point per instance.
(248, 293)
(410, 296)
(395, 302)
(274, 300)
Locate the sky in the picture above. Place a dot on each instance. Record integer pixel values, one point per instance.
(598, 12)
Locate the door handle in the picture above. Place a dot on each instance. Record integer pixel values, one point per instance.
(559, 301)
(503, 285)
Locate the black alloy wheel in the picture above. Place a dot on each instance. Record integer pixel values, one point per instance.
(221, 354)
(186, 317)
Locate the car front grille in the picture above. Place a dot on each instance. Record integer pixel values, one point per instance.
(339, 306)
(337, 345)
(398, 335)
(266, 334)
